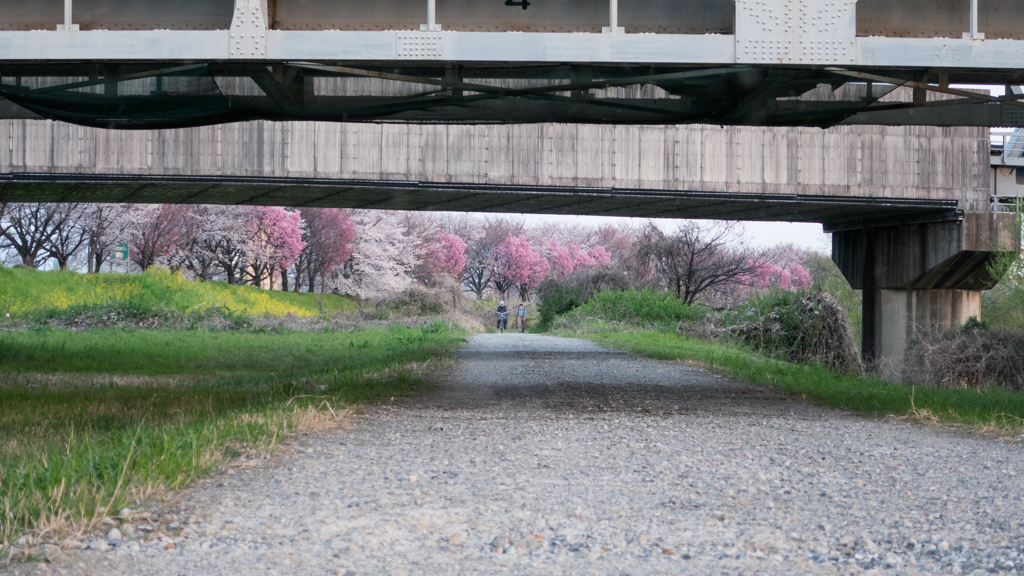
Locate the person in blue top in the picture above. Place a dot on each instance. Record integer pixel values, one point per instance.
(521, 317)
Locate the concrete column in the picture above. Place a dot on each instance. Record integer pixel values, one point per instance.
(901, 316)
(920, 278)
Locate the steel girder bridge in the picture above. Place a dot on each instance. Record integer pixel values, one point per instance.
(157, 64)
(147, 64)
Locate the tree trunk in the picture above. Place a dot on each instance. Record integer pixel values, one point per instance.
(284, 280)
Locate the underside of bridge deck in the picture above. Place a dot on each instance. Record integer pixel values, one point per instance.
(835, 212)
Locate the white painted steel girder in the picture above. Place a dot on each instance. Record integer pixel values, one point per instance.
(512, 47)
(766, 32)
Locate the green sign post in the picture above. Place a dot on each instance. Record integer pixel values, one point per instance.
(121, 251)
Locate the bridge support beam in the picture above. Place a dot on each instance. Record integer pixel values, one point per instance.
(920, 278)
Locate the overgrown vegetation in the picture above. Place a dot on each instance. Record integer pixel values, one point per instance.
(96, 419)
(647, 308)
(829, 279)
(1003, 306)
(559, 297)
(801, 327)
(761, 341)
(36, 296)
(971, 357)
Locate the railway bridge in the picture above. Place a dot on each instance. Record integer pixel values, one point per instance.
(843, 112)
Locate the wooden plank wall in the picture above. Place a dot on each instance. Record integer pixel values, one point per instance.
(861, 161)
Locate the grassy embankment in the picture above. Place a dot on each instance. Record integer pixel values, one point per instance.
(644, 323)
(92, 421)
(34, 295)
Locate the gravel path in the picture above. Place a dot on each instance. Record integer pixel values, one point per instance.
(545, 455)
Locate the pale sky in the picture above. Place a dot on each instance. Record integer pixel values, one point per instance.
(807, 236)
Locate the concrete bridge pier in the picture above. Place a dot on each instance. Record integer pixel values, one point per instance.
(920, 278)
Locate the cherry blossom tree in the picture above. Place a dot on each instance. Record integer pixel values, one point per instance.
(599, 256)
(769, 275)
(444, 255)
(156, 231)
(224, 243)
(560, 259)
(383, 257)
(329, 234)
(517, 264)
(564, 260)
(698, 258)
(68, 234)
(277, 242)
(27, 228)
(105, 226)
(477, 274)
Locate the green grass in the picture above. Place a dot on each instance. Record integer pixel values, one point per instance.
(862, 394)
(91, 421)
(26, 293)
(647, 308)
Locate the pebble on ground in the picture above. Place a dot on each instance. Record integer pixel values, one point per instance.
(545, 455)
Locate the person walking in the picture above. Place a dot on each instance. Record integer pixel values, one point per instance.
(521, 317)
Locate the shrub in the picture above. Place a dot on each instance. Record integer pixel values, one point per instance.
(807, 328)
(1003, 306)
(560, 296)
(646, 308)
(969, 357)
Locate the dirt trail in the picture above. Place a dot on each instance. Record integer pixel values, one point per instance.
(544, 455)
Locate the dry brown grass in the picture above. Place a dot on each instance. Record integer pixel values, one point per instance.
(969, 359)
(93, 379)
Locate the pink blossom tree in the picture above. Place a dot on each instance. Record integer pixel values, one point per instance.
(564, 260)
(517, 264)
(599, 256)
(329, 234)
(277, 242)
(477, 275)
(768, 275)
(445, 255)
(560, 258)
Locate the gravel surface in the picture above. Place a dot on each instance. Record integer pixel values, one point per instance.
(544, 455)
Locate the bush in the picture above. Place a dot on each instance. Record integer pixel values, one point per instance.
(970, 357)
(807, 328)
(1003, 306)
(561, 296)
(646, 308)
(828, 279)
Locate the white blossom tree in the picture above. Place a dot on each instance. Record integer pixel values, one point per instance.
(383, 257)
(105, 226)
(223, 245)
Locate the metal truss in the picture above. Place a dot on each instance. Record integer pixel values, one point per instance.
(136, 95)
